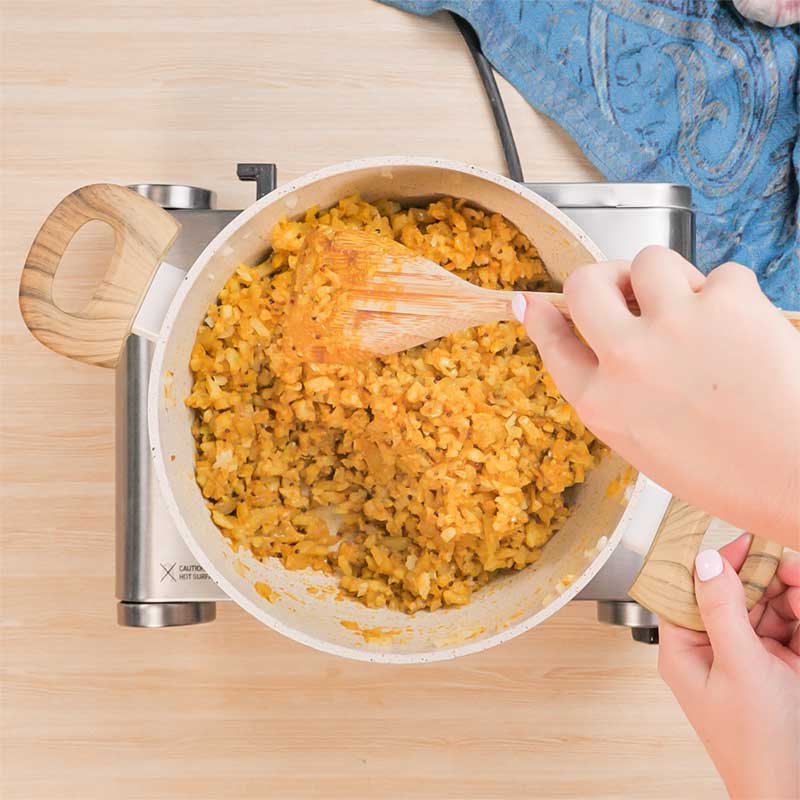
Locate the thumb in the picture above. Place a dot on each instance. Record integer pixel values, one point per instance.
(564, 355)
(720, 598)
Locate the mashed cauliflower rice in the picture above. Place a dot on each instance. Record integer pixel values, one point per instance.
(412, 478)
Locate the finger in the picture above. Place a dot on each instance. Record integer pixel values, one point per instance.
(773, 626)
(684, 658)
(735, 552)
(570, 362)
(597, 302)
(794, 642)
(787, 604)
(720, 599)
(757, 613)
(660, 278)
(739, 284)
(783, 592)
(675, 639)
(776, 587)
(789, 568)
(729, 276)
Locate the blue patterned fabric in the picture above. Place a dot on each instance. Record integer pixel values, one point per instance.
(668, 90)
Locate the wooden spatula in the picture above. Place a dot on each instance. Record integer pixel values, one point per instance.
(357, 294)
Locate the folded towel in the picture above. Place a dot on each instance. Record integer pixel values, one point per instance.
(668, 90)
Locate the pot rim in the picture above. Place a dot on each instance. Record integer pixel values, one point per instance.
(514, 629)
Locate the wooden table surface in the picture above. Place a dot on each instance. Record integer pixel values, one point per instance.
(179, 92)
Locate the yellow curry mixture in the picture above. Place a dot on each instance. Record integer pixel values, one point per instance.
(412, 478)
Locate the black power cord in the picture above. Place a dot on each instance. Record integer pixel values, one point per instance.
(495, 98)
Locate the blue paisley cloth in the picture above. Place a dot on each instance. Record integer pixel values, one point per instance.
(685, 92)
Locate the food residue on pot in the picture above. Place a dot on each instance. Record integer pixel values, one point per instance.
(460, 638)
(372, 635)
(617, 486)
(241, 568)
(266, 591)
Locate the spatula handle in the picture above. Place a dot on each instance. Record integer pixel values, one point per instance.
(558, 302)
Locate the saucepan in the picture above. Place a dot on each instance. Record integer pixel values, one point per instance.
(141, 292)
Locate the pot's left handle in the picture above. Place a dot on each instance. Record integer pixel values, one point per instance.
(143, 232)
(665, 583)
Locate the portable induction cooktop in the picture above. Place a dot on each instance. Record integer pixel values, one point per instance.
(158, 581)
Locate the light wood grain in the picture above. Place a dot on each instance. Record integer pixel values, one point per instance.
(665, 583)
(126, 92)
(143, 234)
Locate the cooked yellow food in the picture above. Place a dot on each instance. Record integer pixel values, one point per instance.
(332, 269)
(412, 478)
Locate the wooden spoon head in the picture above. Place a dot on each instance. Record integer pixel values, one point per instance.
(357, 295)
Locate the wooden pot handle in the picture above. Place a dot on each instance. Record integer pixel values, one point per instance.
(143, 232)
(665, 583)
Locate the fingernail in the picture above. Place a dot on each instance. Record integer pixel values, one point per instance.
(708, 564)
(518, 306)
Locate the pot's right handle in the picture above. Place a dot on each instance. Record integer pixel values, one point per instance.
(143, 232)
(665, 583)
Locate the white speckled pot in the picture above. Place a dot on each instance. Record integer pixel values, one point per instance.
(508, 606)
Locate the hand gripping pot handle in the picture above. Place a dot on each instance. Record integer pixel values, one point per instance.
(665, 583)
(143, 233)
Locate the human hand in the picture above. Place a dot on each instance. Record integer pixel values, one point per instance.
(775, 13)
(739, 683)
(701, 392)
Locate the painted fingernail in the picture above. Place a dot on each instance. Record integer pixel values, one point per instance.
(518, 306)
(708, 564)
